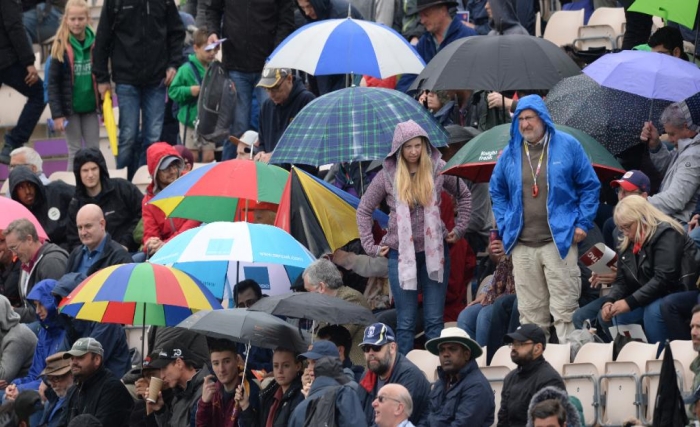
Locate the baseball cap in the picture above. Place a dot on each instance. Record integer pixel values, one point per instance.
(633, 180)
(56, 365)
(378, 334)
(168, 160)
(167, 355)
(84, 346)
(271, 77)
(529, 332)
(321, 349)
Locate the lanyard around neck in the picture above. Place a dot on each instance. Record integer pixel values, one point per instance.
(536, 173)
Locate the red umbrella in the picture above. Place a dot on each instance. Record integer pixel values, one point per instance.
(11, 210)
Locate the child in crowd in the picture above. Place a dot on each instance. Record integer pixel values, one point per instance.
(185, 90)
(71, 85)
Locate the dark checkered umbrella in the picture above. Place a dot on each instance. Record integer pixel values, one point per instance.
(612, 117)
(350, 125)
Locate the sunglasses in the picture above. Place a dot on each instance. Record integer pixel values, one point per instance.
(374, 348)
(381, 399)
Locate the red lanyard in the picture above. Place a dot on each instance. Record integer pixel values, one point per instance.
(536, 173)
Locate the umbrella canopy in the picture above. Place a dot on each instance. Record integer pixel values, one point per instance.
(212, 193)
(476, 160)
(207, 252)
(347, 46)
(513, 62)
(319, 215)
(680, 11)
(648, 74)
(248, 327)
(612, 117)
(138, 294)
(315, 306)
(350, 125)
(11, 210)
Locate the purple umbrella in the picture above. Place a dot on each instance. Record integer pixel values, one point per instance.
(648, 74)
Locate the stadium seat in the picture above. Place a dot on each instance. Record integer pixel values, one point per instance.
(502, 358)
(557, 355)
(426, 362)
(141, 178)
(481, 361)
(650, 384)
(117, 173)
(562, 27)
(581, 377)
(496, 375)
(67, 177)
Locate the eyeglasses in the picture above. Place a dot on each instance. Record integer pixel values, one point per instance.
(374, 348)
(57, 378)
(10, 167)
(246, 303)
(529, 119)
(15, 248)
(382, 398)
(518, 344)
(625, 227)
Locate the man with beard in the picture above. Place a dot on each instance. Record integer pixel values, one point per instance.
(533, 374)
(385, 365)
(695, 366)
(98, 391)
(462, 395)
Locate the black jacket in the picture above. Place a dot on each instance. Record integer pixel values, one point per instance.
(290, 399)
(113, 254)
(143, 38)
(119, 199)
(651, 274)
(50, 205)
(60, 85)
(253, 29)
(14, 44)
(101, 395)
(519, 387)
(408, 375)
(470, 398)
(9, 282)
(274, 118)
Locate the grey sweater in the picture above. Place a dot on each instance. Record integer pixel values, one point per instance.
(17, 343)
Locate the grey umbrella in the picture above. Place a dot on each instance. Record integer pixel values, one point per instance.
(247, 327)
(315, 306)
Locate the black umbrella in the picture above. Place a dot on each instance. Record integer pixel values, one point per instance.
(612, 117)
(669, 410)
(247, 327)
(497, 63)
(315, 306)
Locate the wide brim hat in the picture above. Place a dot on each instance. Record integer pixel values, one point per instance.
(424, 4)
(454, 335)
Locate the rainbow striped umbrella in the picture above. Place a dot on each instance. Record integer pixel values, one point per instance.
(211, 193)
(138, 294)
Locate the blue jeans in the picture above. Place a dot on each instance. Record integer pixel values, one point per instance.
(676, 310)
(505, 318)
(144, 105)
(245, 86)
(476, 321)
(648, 316)
(13, 76)
(695, 235)
(407, 301)
(38, 32)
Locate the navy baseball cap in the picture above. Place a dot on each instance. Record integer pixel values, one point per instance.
(321, 349)
(633, 180)
(378, 334)
(529, 332)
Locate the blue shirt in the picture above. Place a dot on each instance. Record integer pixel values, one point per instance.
(88, 258)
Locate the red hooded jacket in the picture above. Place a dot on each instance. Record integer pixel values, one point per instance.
(155, 224)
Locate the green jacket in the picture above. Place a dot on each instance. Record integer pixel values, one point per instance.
(83, 89)
(180, 90)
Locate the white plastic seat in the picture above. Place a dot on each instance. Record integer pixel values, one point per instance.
(5, 188)
(481, 360)
(67, 177)
(614, 17)
(426, 362)
(141, 178)
(562, 27)
(502, 358)
(581, 377)
(557, 355)
(118, 173)
(650, 383)
(684, 353)
(596, 36)
(495, 376)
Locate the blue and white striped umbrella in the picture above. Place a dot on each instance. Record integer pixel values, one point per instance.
(220, 254)
(347, 46)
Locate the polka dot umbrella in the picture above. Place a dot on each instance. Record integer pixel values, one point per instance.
(612, 117)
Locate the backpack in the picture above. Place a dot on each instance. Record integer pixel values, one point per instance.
(321, 412)
(216, 104)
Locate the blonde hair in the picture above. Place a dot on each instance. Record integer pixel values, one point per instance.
(419, 188)
(637, 210)
(63, 33)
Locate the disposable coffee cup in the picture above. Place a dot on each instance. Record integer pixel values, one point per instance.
(153, 389)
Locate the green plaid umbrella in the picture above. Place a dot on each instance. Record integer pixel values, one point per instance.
(350, 125)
